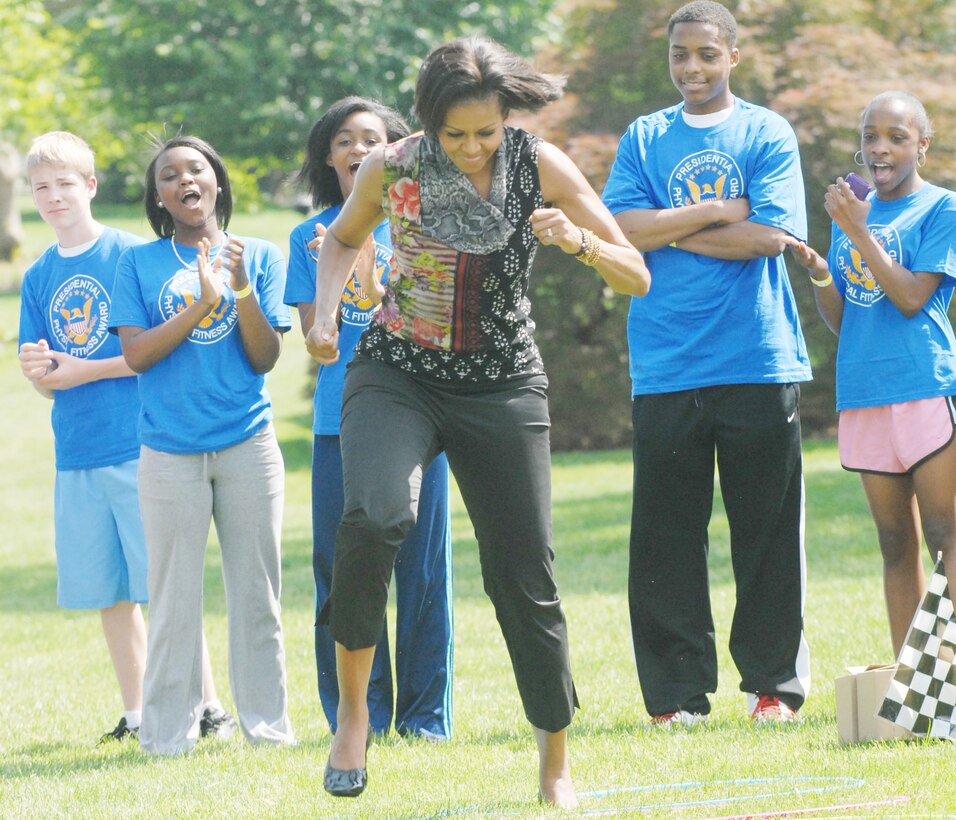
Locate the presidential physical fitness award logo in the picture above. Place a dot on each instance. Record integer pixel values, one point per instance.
(861, 286)
(705, 176)
(79, 316)
(179, 292)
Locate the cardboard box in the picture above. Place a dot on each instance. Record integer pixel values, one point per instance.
(859, 696)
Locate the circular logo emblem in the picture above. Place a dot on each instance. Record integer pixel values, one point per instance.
(861, 287)
(704, 176)
(180, 291)
(79, 315)
(357, 305)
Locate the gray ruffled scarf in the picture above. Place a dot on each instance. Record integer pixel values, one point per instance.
(453, 212)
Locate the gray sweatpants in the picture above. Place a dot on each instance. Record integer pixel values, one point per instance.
(242, 489)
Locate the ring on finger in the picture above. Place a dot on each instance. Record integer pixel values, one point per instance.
(549, 233)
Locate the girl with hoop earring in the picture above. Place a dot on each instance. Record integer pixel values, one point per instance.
(884, 290)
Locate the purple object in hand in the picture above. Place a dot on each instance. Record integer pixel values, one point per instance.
(858, 185)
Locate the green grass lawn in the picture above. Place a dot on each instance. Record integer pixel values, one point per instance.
(57, 691)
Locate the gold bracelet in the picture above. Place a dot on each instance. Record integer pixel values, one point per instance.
(242, 293)
(822, 283)
(586, 244)
(590, 253)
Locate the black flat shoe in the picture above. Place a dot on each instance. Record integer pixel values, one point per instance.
(344, 782)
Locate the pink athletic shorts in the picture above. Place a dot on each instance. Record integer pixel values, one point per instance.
(895, 438)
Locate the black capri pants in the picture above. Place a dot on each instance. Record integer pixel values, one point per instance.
(497, 440)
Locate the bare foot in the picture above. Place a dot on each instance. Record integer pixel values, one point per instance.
(559, 793)
(554, 770)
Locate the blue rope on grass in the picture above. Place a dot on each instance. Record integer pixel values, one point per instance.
(830, 784)
(794, 785)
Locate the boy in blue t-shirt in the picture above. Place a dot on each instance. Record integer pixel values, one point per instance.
(711, 191)
(68, 354)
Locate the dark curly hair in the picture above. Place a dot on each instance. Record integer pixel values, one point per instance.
(708, 13)
(159, 218)
(316, 173)
(473, 68)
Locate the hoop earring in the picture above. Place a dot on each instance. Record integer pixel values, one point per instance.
(858, 158)
(920, 156)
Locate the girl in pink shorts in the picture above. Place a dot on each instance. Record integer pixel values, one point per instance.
(884, 290)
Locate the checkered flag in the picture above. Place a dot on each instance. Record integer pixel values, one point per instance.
(922, 696)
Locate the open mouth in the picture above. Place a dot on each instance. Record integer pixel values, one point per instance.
(353, 167)
(190, 198)
(880, 170)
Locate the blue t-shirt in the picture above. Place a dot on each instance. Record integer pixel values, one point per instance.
(66, 300)
(709, 321)
(204, 396)
(883, 357)
(355, 311)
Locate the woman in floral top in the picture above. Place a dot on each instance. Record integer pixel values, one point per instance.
(450, 365)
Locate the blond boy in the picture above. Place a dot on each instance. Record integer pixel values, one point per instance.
(69, 356)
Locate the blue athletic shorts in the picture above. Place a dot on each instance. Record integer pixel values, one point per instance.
(100, 545)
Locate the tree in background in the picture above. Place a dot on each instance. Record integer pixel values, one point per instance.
(822, 90)
(272, 66)
(116, 71)
(615, 54)
(815, 62)
(41, 89)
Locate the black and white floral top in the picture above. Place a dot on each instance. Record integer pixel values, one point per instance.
(456, 305)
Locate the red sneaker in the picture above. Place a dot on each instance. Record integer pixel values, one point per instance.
(680, 717)
(771, 708)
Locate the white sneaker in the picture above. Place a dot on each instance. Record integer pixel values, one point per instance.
(770, 708)
(680, 717)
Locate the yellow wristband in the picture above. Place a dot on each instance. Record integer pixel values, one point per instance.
(822, 283)
(242, 293)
